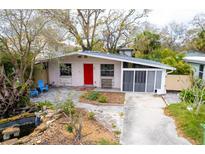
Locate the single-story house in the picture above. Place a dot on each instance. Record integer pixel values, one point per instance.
(198, 64)
(106, 70)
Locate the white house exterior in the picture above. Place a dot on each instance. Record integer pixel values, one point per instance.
(198, 64)
(104, 70)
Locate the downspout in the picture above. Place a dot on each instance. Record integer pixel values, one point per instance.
(170, 71)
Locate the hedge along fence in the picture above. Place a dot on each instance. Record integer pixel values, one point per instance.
(178, 82)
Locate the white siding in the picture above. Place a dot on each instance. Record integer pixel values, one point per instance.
(196, 70)
(77, 78)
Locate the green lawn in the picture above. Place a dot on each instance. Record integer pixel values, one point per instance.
(188, 122)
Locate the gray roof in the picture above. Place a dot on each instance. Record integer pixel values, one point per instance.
(196, 59)
(126, 59)
(192, 53)
(117, 57)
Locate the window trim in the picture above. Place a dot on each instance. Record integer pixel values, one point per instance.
(107, 70)
(60, 69)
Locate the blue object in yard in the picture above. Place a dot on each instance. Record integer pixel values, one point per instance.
(41, 86)
(33, 92)
(37, 121)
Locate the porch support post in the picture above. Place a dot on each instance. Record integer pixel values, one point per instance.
(163, 84)
(121, 77)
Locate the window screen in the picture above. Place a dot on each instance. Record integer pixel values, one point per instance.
(140, 79)
(150, 81)
(158, 80)
(65, 69)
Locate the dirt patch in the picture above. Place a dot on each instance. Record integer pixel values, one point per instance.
(113, 98)
(56, 133)
(179, 131)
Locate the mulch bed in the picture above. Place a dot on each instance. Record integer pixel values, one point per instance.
(92, 132)
(114, 98)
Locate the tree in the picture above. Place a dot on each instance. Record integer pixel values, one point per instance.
(196, 34)
(146, 42)
(82, 24)
(20, 36)
(119, 27)
(199, 22)
(199, 41)
(169, 57)
(173, 36)
(75, 124)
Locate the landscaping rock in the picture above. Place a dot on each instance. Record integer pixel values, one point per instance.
(10, 131)
(23, 140)
(38, 142)
(10, 142)
(48, 123)
(41, 128)
(50, 113)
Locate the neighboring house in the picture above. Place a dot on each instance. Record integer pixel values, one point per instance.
(106, 70)
(197, 61)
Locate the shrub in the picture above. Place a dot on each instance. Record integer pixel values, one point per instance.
(169, 57)
(93, 95)
(102, 99)
(91, 115)
(113, 125)
(45, 103)
(195, 95)
(23, 101)
(68, 107)
(117, 132)
(187, 95)
(69, 128)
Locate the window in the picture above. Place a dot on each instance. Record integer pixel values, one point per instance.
(65, 69)
(201, 71)
(107, 69)
(132, 65)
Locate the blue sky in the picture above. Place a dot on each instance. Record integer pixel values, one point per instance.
(161, 17)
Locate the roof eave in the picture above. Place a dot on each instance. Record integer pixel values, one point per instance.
(163, 67)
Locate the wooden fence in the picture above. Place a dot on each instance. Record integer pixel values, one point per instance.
(178, 82)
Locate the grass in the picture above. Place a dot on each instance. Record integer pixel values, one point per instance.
(188, 122)
(47, 104)
(102, 99)
(104, 141)
(95, 96)
(92, 95)
(91, 115)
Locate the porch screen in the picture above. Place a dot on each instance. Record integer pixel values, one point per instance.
(150, 81)
(128, 77)
(140, 80)
(158, 80)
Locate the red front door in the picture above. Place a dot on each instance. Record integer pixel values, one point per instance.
(88, 74)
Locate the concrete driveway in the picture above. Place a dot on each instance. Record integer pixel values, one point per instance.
(145, 122)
